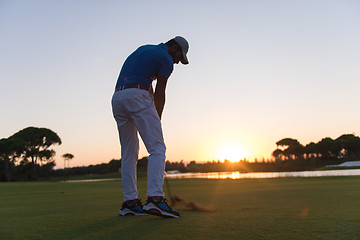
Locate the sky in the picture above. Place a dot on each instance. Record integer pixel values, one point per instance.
(259, 71)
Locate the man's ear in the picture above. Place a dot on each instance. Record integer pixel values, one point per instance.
(171, 48)
(177, 48)
(174, 48)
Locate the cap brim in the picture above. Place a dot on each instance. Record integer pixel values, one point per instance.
(185, 59)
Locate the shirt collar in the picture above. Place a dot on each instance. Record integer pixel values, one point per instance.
(163, 46)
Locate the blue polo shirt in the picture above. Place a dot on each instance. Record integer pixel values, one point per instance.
(145, 63)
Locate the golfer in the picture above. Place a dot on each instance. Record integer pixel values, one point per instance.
(137, 108)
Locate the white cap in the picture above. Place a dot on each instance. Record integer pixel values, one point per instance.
(184, 47)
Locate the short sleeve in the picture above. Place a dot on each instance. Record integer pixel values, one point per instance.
(166, 67)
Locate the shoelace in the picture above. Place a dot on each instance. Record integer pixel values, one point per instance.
(138, 202)
(162, 200)
(150, 199)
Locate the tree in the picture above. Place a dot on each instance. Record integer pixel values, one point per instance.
(142, 163)
(67, 157)
(170, 166)
(10, 151)
(350, 145)
(292, 149)
(311, 150)
(37, 146)
(328, 148)
(278, 154)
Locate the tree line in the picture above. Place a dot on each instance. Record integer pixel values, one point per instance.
(290, 155)
(27, 154)
(346, 147)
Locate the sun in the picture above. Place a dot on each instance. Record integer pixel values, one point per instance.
(232, 152)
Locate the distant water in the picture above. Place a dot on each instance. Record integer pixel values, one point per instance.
(239, 175)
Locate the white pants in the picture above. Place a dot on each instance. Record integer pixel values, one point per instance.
(134, 111)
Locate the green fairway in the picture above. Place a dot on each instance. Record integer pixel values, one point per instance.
(284, 208)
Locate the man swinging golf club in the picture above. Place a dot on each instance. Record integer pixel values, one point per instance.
(137, 108)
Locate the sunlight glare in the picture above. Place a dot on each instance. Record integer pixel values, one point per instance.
(232, 152)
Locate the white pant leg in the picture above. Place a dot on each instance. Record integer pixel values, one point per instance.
(129, 157)
(129, 147)
(149, 126)
(136, 107)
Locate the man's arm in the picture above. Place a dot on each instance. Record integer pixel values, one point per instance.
(159, 95)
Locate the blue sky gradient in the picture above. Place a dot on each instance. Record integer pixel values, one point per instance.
(259, 71)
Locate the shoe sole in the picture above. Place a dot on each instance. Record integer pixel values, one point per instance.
(154, 210)
(128, 212)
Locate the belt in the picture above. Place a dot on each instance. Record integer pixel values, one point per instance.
(132, 85)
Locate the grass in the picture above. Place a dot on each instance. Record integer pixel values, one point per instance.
(85, 176)
(284, 208)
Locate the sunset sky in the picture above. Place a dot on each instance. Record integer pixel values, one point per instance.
(259, 71)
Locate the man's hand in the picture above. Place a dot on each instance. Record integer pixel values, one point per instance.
(159, 95)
